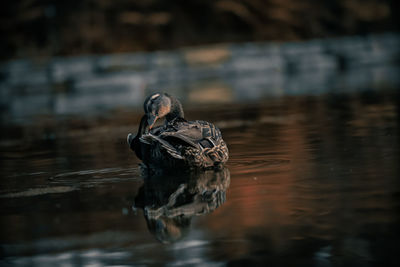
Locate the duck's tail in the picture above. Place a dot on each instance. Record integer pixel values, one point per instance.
(129, 139)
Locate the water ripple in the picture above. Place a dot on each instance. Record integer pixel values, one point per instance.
(88, 178)
(256, 162)
(86, 172)
(39, 191)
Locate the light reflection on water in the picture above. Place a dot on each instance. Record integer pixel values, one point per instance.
(313, 182)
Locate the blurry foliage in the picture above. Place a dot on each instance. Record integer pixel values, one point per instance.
(60, 27)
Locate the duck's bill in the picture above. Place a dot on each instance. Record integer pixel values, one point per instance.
(151, 120)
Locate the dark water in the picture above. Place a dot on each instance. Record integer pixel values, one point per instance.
(311, 181)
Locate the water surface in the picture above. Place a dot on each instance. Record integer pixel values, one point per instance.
(311, 181)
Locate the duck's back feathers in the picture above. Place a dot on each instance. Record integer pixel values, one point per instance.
(197, 144)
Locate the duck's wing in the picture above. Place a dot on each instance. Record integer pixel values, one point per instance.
(210, 133)
(212, 143)
(201, 135)
(151, 139)
(200, 141)
(187, 133)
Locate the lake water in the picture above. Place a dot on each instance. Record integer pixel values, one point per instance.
(311, 181)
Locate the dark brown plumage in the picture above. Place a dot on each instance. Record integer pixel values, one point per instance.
(178, 143)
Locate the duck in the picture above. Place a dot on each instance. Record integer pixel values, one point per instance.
(178, 144)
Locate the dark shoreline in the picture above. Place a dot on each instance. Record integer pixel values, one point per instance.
(61, 28)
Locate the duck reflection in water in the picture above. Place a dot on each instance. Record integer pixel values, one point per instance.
(169, 203)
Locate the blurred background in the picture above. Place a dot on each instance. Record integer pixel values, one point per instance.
(32, 28)
(61, 57)
(306, 94)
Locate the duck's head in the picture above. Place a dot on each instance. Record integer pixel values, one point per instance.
(159, 105)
